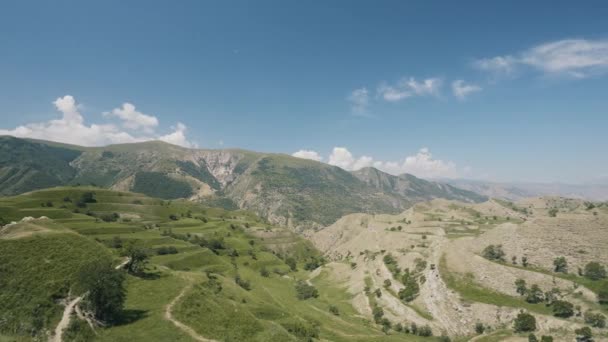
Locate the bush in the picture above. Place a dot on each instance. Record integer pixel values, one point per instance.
(494, 252)
(584, 334)
(520, 286)
(291, 262)
(264, 272)
(534, 294)
(304, 330)
(245, 284)
(596, 320)
(425, 331)
(524, 322)
(545, 338)
(378, 313)
(334, 310)
(480, 328)
(173, 217)
(595, 271)
(305, 291)
(532, 338)
(563, 309)
(166, 250)
(560, 265)
(602, 294)
(138, 258)
(110, 217)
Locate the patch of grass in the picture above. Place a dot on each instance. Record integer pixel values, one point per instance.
(473, 292)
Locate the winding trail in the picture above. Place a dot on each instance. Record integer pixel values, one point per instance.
(180, 325)
(65, 319)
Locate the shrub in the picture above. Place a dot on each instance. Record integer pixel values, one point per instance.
(524, 322)
(138, 258)
(595, 271)
(494, 252)
(334, 310)
(553, 212)
(480, 328)
(305, 291)
(602, 294)
(563, 309)
(532, 338)
(545, 338)
(173, 217)
(534, 294)
(425, 331)
(560, 265)
(596, 320)
(378, 313)
(520, 286)
(303, 330)
(584, 334)
(110, 217)
(291, 262)
(166, 250)
(245, 284)
(264, 272)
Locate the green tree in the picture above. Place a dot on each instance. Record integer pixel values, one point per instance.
(103, 289)
(560, 265)
(334, 310)
(562, 309)
(264, 272)
(138, 258)
(524, 322)
(546, 338)
(595, 271)
(532, 338)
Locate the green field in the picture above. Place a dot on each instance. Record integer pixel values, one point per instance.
(40, 259)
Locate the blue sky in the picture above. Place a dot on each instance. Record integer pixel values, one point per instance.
(492, 90)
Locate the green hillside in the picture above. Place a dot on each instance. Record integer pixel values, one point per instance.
(196, 254)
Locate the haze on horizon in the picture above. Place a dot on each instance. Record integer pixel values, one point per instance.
(413, 87)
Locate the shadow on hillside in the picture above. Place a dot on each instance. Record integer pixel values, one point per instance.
(131, 316)
(148, 275)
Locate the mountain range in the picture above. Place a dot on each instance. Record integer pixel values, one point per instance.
(286, 190)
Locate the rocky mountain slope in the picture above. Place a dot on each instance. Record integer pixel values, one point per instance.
(284, 189)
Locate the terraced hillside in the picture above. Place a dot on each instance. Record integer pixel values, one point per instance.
(285, 190)
(211, 275)
(454, 267)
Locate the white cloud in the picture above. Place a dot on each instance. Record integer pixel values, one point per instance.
(341, 157)
(392, 94)
(421, 164)
(72, 129)
(359, 100)
(409, 87)
(308, 154)
(574, 57)
(461, 90)
(178, 136)
(133, 119)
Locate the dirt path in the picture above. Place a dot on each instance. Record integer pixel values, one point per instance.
(65, 319)
(180, 325)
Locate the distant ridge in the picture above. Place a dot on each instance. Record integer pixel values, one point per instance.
(286, 190)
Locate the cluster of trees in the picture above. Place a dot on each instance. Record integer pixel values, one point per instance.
(534, 295)
(410, 280)
(245, 284)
